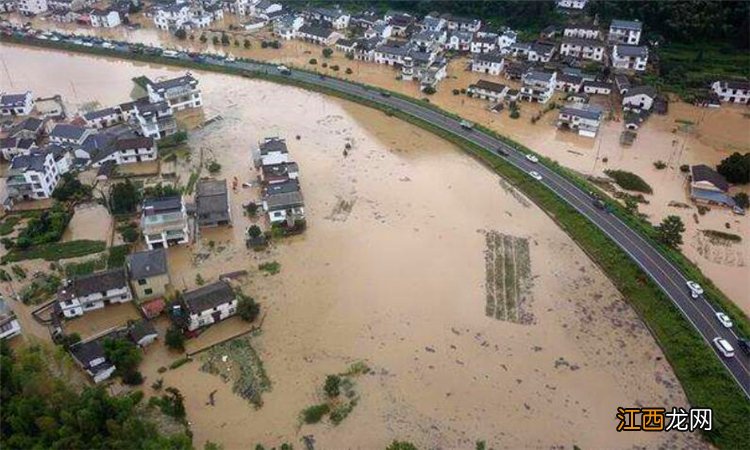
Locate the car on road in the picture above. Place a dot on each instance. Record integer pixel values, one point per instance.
(599, 204)
(535, 175)
(695, 289)
(532, 158)
(723, 346)
(744, 345)
(502, 152)
(724, 319)
(385, 94)
(466, 125)
(284, 70)
(230, 59)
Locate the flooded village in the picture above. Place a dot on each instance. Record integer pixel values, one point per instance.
(259, 243)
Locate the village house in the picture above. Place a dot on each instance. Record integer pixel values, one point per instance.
(155, 120)
(576, 5)
(180, 93)
(334, 17)
(622, 83)
(589, 49)
(515, 70)
(364, 20)
(585, 119)
(346, 46)
(271, 150)
(206, 305)
(433, 23)
(732, 91)
(364, 49)
(569, 83)
(399, 22)
(541, 51)
(505, 40)
(628, 57)
(597, 87)
(519, 50)
(625, 32)
(9, 325)
(104, 18)
(16, 104)
(428, 41)
(12, 147)
(457, 23)
(709, 187)
(7, 6)
(284, 207)
(488, 63)
(94, 291)
(279, 173)
(127, 150)
(459, 41)
(171, 17)
(581, 31)
(103, 118)
(31, 7)
(639, 98)
(65, 133)
(380, 31)
(148, 273)
(266, 9)
(538, 86)
(164, 222)
(484, 44)
(488, 90)
(392, 52)
(31, 177)
(212, 207)
(317, 34)
(28, 128)
(286, 27)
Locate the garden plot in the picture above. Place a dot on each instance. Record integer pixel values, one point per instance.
(236, 361)
(508, 278)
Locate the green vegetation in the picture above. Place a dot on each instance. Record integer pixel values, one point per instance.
(315, 413)
(199, 280)
(173, 140)
(401, 445)
(337, 407)
(117, 256)
(327, 52)
(43, 411)
(685, 349)
(190, 186)
(175, 339)
(722, 235)
(735, 168)
(41, 288)
(8, 225)
(179, 363)
(660, 165)
(124, 197)
(332, 387)
(742, 199)
(629, 181)
(214, 167)
(271, 268)
(129, 231)
(45, 228)
(247, 308)
(126, 356)
(85, 267)
(236, 361)
(670, 231)
(70, 188)
(172, 403)
(55, 251)
(160, 190)
(180, 34)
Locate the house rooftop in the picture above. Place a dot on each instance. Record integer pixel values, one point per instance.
(93, 115)
(67, 131)
(284, 200)
(281, 188)
(31, 162)
(11, 100)
(591, 112)
(208, 297)
(492, 57)
(489, 86)
(702, 172)
(28, 124)
(161, 205)
(271, 145)
(185, 80)
(92, 283)
(316, 30)
(627, 24)
(631, 50)
(140, 330)
(148, 263)
(211, 197)
(582, 42)
(641, 90)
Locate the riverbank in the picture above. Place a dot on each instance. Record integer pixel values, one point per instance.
(592, 238)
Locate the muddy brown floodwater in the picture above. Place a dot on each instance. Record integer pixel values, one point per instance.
(393, 270)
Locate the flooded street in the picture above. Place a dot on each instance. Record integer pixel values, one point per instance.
(392, 271)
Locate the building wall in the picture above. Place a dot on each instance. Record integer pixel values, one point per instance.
(152, 287)
(205, 318)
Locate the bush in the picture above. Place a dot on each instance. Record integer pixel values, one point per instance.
(456, 91)
(349, 71)
(327, 52)
(215, 40)
(742, 200)
(670, 231)
(332, 386)
(324, 65)
(514, 114)
(203, 38)
(335, 68)
(247, 308)
(46, 228)
(181, 34)
(429, 90)
(247, 44)
(124, 198)
(174, 338)
(660, 165)
(315, 413)
(735, 168)
(313, 61)
(685, 168)
(350, 56)
(69, 188)
(224, 39)
(629, 181)
(401, 445)
(214, 167)
(272, 268)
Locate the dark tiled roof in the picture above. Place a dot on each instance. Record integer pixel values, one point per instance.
(140, 330)
(174, 82)
(280, 188)
(284, 200)
(208, 297)
(316, 30)
(148, 263)
(95, 282)
(34, 161)
(591, 112)
(702, 172)
(136, 142)
(638, 90)
(211, 197)
(93, 115)
(490, 86)
(67, 131)
(27, 124)
(492, 57)
(631, 50)
(163, 204)
(13, 99)
(273, 145)
(86, 352)
(628, 24)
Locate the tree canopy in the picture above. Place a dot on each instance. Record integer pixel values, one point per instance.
(670, 230)
(735, 168)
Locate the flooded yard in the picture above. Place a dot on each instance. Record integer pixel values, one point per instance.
(392, 271)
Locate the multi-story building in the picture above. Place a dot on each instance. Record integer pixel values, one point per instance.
(179, 93)
(571, 4)
(164, 222)
(286, 27)
(148, 273)
(541, 51)
(206, 305)
(65, 133)
(456, 23)
(488, 90)
(126, 151)
(488, 63)
(31, 7)
(172, 17)
(459, 41)
(629, 57)
(732, 91)
(639, 98)
(156, 120)
(538, 86)
(33, 176)
(484, 44)
(589, 49)
(625, 32)
(585, 119)
(212, 206)
(337, 18)
(103, 118)
(94, 291)
(9, 326)
(317, 34)
(16, 104)
(104, 18)
(284, 207)
(581, 31)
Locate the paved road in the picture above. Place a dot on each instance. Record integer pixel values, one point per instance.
(698, 311)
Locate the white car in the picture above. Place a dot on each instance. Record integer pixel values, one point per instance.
(724, 348)
(535, 175)
(695, 289)
(724, 319)
(230, 59)
(532, 158)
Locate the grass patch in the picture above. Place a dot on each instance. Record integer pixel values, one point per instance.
(629, 181)
(271, 268)
(8, 225)
(179, 363)
(116, 257)
(191, 183)
(243, 367)
(56, 250)
(40, 290)
(722, 235)
(84, 268)
(315, 413)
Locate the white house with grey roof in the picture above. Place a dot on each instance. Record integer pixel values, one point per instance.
(488, 90)
(104, 18)
(485, 43)
(577, 5)
(286, 27)
(179, 93)
(459, 41)
(206, 305)
(629, 57)
(317, 34)
(65, 133)
(9, 325)
(164, 222)
(639, 98)
(488, 63)
(272, 150)
(103, 118)
(581, 31)
(94, 291)
(459, 23)
(171, 16)
(538, 86)
(16, 104)
(148, 273)
(625, 32)
(31, 7)
(155, 120)
(212, 205)
(588, 49)
(126, 150)
(732, 91)
(284, 207)
(585, 119)
(541, 51)
(32, 177)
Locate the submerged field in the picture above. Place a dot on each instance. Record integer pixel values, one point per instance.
(393, 271)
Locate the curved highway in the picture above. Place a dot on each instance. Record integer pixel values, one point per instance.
(697, 311)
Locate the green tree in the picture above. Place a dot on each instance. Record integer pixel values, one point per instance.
(735, 168)
(69, 188)
(181, 34)
(215, 40)
(203, 38)
(631, 204)
(401, 445)
(160, 190)
(327, 52)
(174, 338)
(247, 43)
(126, 357)
(670, 230)
(332, 386)
(247, 308)
(214, 167)
(429, 90)
(254, 231)
(124, 197)
(742, 200)
(224, 39)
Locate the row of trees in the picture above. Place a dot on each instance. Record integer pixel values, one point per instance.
(126, 196)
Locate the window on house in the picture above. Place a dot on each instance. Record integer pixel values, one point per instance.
(148, 291)
(142, 281)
